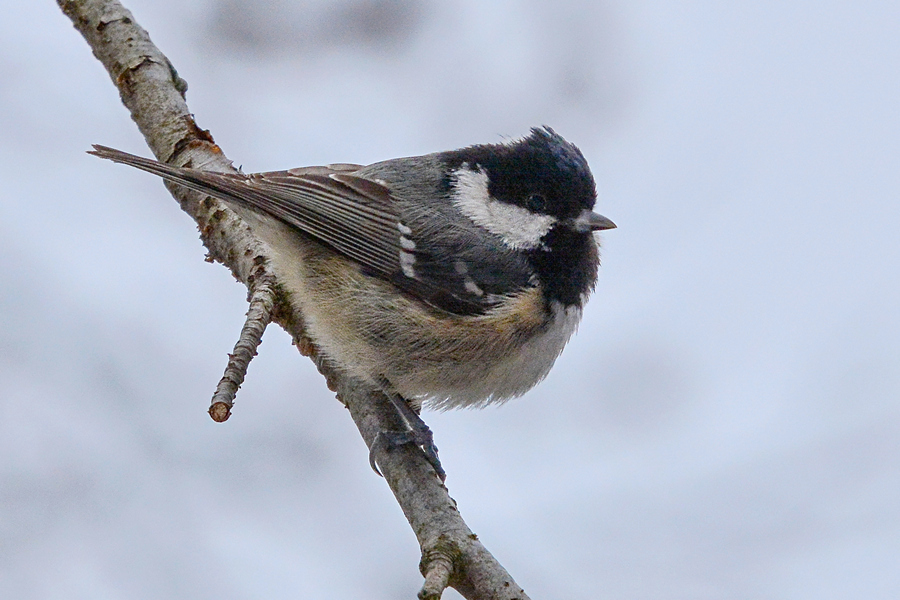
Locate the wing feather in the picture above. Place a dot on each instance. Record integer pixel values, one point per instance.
(359, 218)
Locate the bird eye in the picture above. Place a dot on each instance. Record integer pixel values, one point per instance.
(536, 203)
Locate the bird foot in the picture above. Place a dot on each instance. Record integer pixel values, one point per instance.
(388, 440)
(418, 433)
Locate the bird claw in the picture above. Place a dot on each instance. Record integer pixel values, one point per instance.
(418, 433)
(423, 438)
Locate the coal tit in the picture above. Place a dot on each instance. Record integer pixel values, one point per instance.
(453, 279)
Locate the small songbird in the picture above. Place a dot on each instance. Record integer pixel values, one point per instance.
(452, 279)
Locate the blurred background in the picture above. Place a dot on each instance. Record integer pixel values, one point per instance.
(726, 423)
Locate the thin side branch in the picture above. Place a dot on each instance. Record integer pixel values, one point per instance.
(259, 315)
(154, 94)
(437, 570)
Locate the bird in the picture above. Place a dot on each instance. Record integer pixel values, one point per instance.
(448, 280)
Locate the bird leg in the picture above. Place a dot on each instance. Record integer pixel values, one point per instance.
(418, 433)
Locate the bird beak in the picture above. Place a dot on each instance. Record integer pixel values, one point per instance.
(591, 221)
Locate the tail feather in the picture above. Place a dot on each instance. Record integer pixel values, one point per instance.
(219, 185)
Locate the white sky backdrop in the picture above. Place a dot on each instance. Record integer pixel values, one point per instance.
(726, 424)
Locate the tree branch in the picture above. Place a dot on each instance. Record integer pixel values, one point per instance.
(154, 94)
(259, 315)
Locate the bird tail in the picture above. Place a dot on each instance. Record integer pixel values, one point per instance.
(220, 185)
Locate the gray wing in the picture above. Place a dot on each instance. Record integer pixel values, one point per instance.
(359, 218)
(354, 216)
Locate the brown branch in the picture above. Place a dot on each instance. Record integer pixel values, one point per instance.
(259, 315)
(154, 94)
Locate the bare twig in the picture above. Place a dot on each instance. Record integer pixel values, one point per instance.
(259, 315)
(154, 94)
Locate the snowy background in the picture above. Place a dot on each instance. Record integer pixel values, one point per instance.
(725, 425)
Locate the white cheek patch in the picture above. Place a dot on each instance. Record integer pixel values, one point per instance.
(518, 227)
